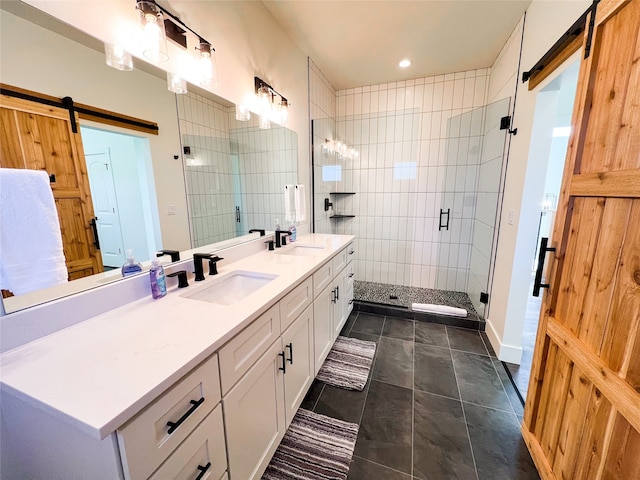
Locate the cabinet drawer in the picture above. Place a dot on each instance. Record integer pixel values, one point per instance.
(339, 261)
(294, 303)
(351, 274)
(145, 441)
(322, 278)
(237, 356)
(351, 252)
(203, 450)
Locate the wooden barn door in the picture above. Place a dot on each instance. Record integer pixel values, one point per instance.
(39, 137)
(582, 417)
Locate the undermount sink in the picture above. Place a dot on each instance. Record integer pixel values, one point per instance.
(301, 250)
(230, 288)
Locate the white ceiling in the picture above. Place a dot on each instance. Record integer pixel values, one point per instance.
(358, 43)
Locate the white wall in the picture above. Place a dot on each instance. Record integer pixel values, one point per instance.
(248, 42)
(545, 22)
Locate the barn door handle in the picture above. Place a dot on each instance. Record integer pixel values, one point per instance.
(537, 283)
(94, 227)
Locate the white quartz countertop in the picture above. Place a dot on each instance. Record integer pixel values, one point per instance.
(98, 374)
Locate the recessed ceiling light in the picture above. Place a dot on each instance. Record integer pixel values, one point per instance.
(404, 63)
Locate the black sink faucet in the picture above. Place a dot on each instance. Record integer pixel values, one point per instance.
(175, 254)
(213, 264)
(284, 239)
(197, 264)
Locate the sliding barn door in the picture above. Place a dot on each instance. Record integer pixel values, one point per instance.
(39, 137)
(582, 418)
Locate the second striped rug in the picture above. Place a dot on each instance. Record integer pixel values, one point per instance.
(348, 363)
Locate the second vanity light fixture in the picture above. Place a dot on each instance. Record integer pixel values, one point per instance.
(272, 106)
(340, 149)
(159, 24)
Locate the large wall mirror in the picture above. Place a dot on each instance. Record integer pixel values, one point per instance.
(205, 178)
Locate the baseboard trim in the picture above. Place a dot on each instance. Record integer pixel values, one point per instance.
(506, 353)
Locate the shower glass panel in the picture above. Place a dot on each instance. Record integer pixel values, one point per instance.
(471, 195)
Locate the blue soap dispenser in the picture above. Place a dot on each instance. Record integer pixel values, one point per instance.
(158, 280)
(130, 267)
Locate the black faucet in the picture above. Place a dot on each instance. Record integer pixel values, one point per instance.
(284, 239)
(261, 231)
(197, 264)
(213, 265)
(175, 254)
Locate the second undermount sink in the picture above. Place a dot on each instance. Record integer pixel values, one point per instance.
(230, 288)
(301, 250)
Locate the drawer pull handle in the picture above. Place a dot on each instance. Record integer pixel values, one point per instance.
(338, 292)
(290, 359)
(351, 275)
(173, 425)
(284, 364)
(203, 470)
(333, 295)
(352, 252)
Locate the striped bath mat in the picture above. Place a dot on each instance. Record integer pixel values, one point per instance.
(348, 363)
(315, 447)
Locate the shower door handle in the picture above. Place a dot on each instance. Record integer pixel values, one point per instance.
(237, 214)
(445, 225)
(537, 283)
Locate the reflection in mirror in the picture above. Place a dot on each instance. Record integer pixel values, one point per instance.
(75, 66)
(235, 171)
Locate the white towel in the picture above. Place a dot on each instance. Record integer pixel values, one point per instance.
(300, 203)
(289, 211)
(31, 255)
(440, 309)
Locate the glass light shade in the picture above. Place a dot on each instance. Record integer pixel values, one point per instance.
(207, 66)
(242, 113)
(117, 57)
(265, 122)
(176, 84)
(283, 114)
(155, 40)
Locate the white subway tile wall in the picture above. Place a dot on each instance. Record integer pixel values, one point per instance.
(397, 215)
(230, 165)
(204, 128)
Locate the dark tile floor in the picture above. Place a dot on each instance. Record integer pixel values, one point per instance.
(439, 405)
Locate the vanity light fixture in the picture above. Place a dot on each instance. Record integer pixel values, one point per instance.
(340, 149)
(155, 39)
(207, 62)
(272, 106)
(176, 84)
(242, 113)
(159, 24)
(118, 58)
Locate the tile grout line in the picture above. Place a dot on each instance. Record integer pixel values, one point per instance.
(383, 466)
(464, 415)
(504, 389)
(373, 363)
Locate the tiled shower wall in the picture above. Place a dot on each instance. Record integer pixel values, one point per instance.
(322, 110)
(401, 131)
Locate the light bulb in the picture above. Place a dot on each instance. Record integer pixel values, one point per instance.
(265, 123)
(242, 113)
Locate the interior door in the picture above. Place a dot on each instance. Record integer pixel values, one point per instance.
(39, 137)
(582, 417)
(105, 204)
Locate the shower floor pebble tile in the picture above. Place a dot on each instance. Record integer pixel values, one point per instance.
(436, 406)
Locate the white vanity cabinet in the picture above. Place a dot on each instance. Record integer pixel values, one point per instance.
(333, 290)
(260, 406)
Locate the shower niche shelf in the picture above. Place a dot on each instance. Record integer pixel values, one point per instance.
(342, 216)
(342, 193)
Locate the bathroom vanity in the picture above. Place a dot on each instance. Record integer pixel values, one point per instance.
(176, 387)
